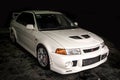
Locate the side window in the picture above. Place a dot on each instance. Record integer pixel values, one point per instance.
(25, 18)
(20, 18)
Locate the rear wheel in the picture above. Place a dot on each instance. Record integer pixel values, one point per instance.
(43, 57)
(12, 37)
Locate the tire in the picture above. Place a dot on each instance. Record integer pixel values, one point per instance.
(12, 37)
(43, 58)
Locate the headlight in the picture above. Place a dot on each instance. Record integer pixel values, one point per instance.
(103, 45)
(75, 51)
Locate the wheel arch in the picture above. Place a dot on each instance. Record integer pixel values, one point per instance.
(40, 44)
(14, 31)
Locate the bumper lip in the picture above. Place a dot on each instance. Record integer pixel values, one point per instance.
(58, 61)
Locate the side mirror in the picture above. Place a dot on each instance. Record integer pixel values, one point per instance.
(76, 23)
(30, 26)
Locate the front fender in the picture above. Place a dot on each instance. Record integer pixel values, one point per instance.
(49, 43)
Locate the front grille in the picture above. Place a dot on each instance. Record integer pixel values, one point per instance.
(90, 50)
(89, 61)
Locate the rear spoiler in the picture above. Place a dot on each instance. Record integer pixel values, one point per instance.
(15, 14)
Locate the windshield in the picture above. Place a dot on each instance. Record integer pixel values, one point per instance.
(53, 22)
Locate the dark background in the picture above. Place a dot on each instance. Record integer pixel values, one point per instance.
(99, 17)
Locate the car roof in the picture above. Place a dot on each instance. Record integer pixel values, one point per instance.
(43, 12)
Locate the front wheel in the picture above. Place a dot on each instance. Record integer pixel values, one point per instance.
(43, 58)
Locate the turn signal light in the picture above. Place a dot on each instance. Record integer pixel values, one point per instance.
(61, 51)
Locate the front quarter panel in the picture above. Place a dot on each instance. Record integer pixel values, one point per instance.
(49, 43)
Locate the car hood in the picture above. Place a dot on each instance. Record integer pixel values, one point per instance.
(74, 38)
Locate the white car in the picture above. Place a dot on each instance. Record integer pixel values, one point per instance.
(57, 42)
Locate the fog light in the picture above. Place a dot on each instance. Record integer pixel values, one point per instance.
(68, 64)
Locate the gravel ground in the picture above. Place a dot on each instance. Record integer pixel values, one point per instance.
(17, 64)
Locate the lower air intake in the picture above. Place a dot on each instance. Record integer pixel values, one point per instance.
(89, 61)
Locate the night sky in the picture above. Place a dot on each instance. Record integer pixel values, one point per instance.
(100, 18)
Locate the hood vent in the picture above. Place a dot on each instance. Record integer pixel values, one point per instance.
(85, 36)
(75, 37)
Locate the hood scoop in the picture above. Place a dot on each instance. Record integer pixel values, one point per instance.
(85, 36)
(75, 37)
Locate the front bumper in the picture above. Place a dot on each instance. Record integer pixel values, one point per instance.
(67, 64)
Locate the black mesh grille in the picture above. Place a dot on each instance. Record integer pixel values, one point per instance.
(89, 61)
(104, 56)
(74, 63)
(90, 50)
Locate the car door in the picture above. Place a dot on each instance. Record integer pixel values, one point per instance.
(20, 27)
(26, 36)
(29, 34)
